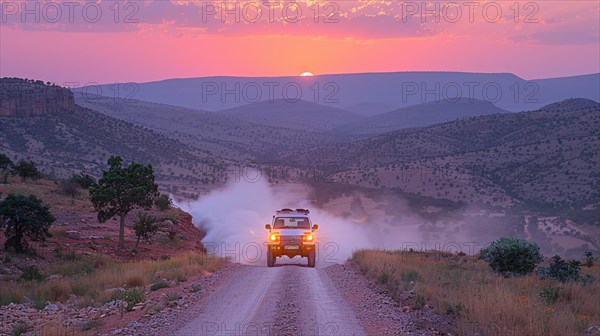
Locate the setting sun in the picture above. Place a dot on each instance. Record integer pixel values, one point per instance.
(306, 74)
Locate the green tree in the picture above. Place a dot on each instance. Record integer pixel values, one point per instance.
(163, 202)
(5, 164)
(26, 169)
(145, 227)
(512, 256)
(84, 180)
(24, 216)
(120, 189)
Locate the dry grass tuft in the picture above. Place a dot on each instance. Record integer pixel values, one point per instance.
(91, 285)
(484, 302)
(136, 281)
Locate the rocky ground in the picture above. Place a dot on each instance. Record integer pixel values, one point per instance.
(379, 314)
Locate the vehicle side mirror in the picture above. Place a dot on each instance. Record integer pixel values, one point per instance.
(268, 226)
(315, 227)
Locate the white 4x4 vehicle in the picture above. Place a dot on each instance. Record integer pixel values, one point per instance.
(291, 234)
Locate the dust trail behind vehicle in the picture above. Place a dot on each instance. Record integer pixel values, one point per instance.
(234, 218)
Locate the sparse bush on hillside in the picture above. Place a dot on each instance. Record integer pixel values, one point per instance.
(69, 188)
(83, 180)
(563, 271)
(31, 273)
(5, 164)
(159, 284)
(550, 295)
(163, 202)
(145, 227)
(512, 256)
(24, 217)
(131, 296)
(26, 169)
(589, 258)
(19, 328)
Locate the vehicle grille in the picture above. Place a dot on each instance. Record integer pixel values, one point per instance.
(290, 240)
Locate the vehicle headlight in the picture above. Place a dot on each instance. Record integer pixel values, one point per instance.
(273, 237)
(309, 237)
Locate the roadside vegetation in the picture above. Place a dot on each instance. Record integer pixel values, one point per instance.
(37, 275)
(557, 298)
(97, 279)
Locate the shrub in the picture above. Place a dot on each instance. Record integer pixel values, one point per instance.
(26, 169)
(589, 259)
(163, 202)
(31, 273)
(83, 180)
(173, 296)
(145, 227)
(158, 285)
(134, 296)
(563, 271)
(180, 278)
(69, 188)
(410, 276)
(512, 256)
(550, 295)
(19, 329)
(5, 164)
(383, 278)
(196, 288)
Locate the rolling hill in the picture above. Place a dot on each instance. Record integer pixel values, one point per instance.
(228, 135)
(66, 139)
(546, 157)
(298, 114)
(419, 116)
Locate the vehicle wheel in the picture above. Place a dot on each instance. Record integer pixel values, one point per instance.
(270, 259)
(312, 256)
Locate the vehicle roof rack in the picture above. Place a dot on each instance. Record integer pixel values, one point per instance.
(291, 211)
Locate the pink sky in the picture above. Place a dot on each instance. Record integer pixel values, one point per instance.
(152, 40)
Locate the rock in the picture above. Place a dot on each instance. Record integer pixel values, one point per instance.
(54, 277)
(138, 306)
(117, 331)
(73, 234)
(50, 307)
(134, 325)
(406, 309)
(180, 302)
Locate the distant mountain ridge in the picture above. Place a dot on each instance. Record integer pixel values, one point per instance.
(398, 89)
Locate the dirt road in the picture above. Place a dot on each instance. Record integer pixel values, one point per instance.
(284, 300)
(290, 299)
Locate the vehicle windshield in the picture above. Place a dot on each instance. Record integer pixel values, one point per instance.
(291, 223)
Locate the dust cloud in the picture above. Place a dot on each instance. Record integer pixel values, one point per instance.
(234, 217)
